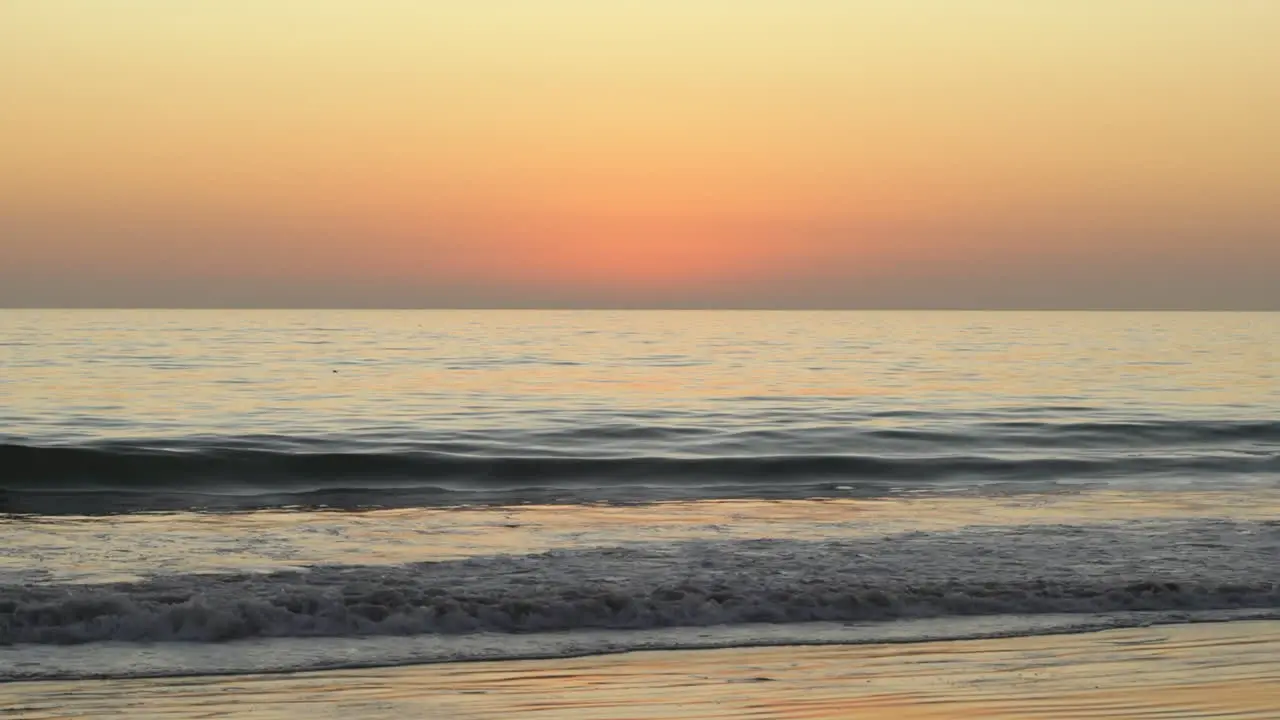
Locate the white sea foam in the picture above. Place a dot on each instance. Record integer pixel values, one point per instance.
(1136, 566)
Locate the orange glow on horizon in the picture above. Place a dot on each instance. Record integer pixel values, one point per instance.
(664, 151)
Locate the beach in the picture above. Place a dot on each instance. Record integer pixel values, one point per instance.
(1219, 670)
(636, 515)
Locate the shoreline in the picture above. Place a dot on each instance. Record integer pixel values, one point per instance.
(1229, 669)
(585, 644)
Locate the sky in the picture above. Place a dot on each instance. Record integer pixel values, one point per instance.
(640, 153)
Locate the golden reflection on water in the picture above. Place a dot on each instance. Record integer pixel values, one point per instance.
(119, 547)
(231, 372)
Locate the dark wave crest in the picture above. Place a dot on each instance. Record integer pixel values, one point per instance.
(137, 467)
(583, 465)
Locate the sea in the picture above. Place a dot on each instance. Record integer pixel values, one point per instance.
(201, 492)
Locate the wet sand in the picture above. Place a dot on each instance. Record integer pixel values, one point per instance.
(1228, 670)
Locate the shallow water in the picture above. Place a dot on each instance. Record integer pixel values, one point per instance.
(1230, 672)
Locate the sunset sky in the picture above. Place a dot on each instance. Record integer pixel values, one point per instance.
(641, 153)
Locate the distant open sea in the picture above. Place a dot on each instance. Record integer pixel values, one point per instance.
(199, 492)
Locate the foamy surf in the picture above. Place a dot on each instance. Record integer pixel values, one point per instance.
(688, 592)
(129, 660)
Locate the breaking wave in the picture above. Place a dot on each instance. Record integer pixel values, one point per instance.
(1140, 566)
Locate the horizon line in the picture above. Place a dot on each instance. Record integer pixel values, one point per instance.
(561, 308)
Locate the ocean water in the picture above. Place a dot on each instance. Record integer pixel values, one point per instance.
(191, 492)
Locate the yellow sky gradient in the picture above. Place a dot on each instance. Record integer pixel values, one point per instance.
(824, 153)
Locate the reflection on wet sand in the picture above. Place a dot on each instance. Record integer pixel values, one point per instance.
(1218, 670)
